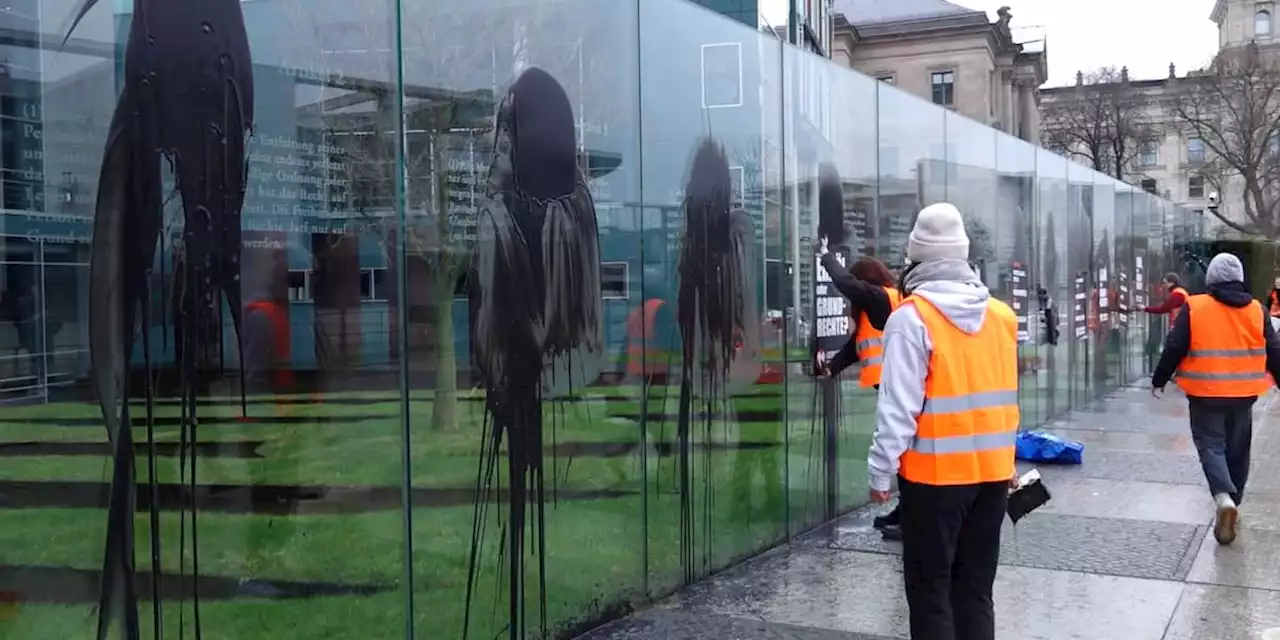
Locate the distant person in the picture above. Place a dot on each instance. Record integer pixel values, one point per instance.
(1274, 299)
(946, 420)
(1049, 316)
(1222, 346)
(1175, 298)
(872, 296)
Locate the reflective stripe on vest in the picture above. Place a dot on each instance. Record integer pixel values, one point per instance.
(965, 431)
(1228, 354)
(870, 343)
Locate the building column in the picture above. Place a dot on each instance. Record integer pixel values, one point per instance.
(1030, 113)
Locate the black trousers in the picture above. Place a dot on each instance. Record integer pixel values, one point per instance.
(1223, 433)
(950, 549)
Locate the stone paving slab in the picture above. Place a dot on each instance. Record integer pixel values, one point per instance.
(1105, 546)
(1224, 613)
(862, 593)
(1122, 424)
(669, 624)
(1080, 496)
(1251, 561)
(1131, 466)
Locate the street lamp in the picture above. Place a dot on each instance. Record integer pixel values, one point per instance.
(1213, 201)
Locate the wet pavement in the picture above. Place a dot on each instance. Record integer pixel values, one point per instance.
(1123, 550)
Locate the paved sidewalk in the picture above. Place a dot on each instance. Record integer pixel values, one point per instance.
(1121, 552)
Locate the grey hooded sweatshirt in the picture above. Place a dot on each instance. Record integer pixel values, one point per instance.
(953, 287)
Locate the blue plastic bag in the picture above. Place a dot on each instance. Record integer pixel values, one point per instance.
(1037, 446)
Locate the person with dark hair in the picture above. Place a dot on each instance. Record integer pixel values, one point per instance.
(1174, 300)
(872, 296)
(1222, 346)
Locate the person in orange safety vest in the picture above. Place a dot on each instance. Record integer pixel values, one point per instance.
(946, 420)
(1222, 347)
(869, 287)
(1175, 298)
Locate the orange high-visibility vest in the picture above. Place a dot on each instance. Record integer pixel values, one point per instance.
(869, 342)
(644, 358)
(1228, 354)
(966, 429)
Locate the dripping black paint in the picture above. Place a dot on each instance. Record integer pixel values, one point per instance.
(187, 100)
(719, 326)
(535, 305)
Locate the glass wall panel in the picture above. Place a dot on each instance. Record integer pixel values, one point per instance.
(250, 256)
(522, 243)
(1016, 229)
(840, 155)
(1126, 247)
(722, 258)
(1056, 303)
(1102, 294)
(1080, 258)
(969, 176)
(810, 403)
(912, 158)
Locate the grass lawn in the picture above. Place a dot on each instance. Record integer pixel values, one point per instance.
(754, 480)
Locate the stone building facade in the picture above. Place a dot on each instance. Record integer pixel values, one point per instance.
(947, 54)
(1168, 152)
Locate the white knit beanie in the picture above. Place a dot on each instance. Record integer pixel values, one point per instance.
(938, 235)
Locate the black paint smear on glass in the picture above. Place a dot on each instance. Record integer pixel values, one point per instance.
(719, 327)
(535, 303)
(187, 99)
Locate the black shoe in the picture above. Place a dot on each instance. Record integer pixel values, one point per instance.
(891, 519)
(892, 533)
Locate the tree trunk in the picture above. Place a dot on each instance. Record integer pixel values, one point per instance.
(444, 408)
(445, 405)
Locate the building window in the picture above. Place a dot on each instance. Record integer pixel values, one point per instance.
(1149, 185)
(1195, 151)
(1148, 153)
(944, 87)
(1195, 187)
(1262, 23)
(613, 280)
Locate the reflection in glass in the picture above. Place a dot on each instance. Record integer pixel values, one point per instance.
(504, 338)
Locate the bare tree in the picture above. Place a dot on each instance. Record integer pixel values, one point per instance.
(1102, 122)
(1235, 111)
(444, 145)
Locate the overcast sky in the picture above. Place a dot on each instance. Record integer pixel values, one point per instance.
(1146, 35)
(1083, 35)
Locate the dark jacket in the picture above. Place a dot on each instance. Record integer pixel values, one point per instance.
(1178, 342)
(863, 297)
